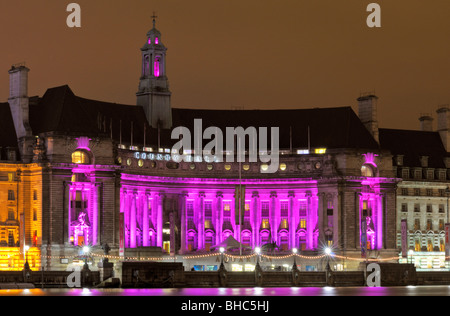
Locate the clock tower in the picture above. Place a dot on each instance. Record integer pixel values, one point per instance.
(154, 94)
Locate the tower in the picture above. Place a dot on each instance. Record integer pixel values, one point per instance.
(153, 94)
(367, 112)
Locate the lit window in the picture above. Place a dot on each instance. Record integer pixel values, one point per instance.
(320, 150)
(265, 224)
(156, 41)
(208, 224)
(303, 223)
(10, 177)
(149, 40)
(80, 157)
(284, 224)
(302, 152)
(367, 171)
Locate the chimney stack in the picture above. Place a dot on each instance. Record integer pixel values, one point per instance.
(426, 123)
(19, 104)
(367, 112)
(18, 100)
(444, 125)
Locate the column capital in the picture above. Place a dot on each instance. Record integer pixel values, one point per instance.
(201, 194)
(273, 194)
(219, 194)
(291, 194)
(255, 194)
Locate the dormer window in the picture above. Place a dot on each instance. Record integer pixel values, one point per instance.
(156, 41)
(80, 157)
(367, 171)
(149, 41)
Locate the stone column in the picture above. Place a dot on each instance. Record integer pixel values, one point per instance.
(159, 221)
(219, 217)
(68, 204)
(256, 219)
(145, 221)
(336, 216)
(309, 223)
(292, 222)
(273, 216)
(133, 212)
(183, 223)
(201, 221)
(321, 214)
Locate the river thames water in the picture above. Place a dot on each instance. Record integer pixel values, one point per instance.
(241, 292)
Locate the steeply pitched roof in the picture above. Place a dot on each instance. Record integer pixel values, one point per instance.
(60, 110)
(414, 144)
(328, 127)
(8, 136)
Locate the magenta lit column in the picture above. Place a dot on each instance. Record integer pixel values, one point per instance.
(133, 220)
(145, 221)
(159, 225)
(201, 221)
(183, 224)
(309, 222)
(292, 224)
(273, 219)
(218, 226)
(257, 215)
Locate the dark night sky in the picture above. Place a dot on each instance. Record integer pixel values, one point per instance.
(256, 54)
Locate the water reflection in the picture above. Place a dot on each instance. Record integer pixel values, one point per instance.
(257, 291)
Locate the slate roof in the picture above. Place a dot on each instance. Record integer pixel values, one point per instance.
(414, 144)
(61, 111)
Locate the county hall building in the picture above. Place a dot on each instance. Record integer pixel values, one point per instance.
(77, 172)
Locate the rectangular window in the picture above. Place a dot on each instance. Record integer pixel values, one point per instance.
(226, 210)
(417, 174)
(429, 192)
(208, 224)
(441, 224)
(284, 209)
(303, 223)
(265, 223)
(430, 175)
(284, 223)
(35, 195)
(441, 192)
(417, 192)
(405, 191)
(11, 196)
(11, 214)
(10, 177)
(302, 208)
(404, 207)
(265, 209)
(190, 209)
(34, 215)
(441, 208)
(429, 208)
(429, 224)
(405, 173)
(416, 208)
(208, 209)
(417, 224)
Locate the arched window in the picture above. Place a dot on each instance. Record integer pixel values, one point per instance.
(80, 157)
(367, 171)
(157, 67)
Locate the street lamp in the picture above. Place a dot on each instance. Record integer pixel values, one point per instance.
(27, 265)
(294, 251)
(222, 250)
(86, 250)
(257, 251)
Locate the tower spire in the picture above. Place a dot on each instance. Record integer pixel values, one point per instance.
(154, 16)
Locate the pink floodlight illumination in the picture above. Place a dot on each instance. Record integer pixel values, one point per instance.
(149, 40)
(157, 68)
(156, 41)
